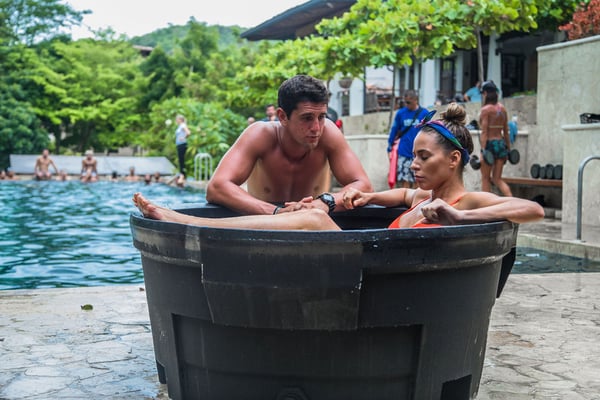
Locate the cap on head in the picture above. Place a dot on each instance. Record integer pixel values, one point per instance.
(89, 153)
(489, 86)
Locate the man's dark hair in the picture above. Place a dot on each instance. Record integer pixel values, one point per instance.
(298, 89)
(411, 94)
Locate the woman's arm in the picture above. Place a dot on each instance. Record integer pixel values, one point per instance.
(399, 197)
(478, 207)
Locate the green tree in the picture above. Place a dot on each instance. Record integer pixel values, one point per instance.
(191, 58)
(88, 93)
(20, 129)
(160, 85)
(396, 32)
(274, 63)
(28, 21)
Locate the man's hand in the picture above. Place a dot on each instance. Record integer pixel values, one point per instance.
(305, 203)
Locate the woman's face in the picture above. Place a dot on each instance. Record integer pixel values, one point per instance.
(431, 164)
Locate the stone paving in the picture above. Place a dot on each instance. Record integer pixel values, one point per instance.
(543, 342)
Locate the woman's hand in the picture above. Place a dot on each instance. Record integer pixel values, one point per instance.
(441, 213)
(355, 198)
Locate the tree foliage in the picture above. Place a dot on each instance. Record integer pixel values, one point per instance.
(28, 21)
(585, 21)
(397, 32)
(20, 129)
(213, 129)
(88, 92)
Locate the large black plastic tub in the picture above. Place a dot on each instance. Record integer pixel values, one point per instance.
(366, 313)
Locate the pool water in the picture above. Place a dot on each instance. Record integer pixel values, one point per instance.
(66, 234)
(533, 261)
(69, 234)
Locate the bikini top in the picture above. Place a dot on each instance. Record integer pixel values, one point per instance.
(396, 223)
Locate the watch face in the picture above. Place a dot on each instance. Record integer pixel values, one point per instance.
(328, 199)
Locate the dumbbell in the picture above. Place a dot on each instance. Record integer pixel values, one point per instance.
(549, 171)
(514, 156)
(535, 171)
(475, 162)
(558, 171)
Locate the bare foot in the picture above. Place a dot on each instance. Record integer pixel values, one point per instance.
(150, 210)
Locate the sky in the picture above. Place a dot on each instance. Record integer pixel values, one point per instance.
(138, 17)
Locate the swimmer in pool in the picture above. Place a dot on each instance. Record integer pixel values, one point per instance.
(441, 151)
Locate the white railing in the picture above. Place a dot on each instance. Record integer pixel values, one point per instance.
(580, 191)
(203, 167)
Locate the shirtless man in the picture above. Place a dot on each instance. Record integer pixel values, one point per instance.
(89, 172)
(288, 163)
(495, 139)
(42, 166)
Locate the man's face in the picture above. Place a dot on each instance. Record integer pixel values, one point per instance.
(306, 122)
(45, 153)
(411, 103)
(270, 111)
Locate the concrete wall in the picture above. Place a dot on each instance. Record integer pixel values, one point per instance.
(372, 152)
(568, 83)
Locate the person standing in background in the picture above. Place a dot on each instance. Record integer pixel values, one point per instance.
(495, 139)
(474, 93)
(404, 130)
(181, 134)
(271, 113)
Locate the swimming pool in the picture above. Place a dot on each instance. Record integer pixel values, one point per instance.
(66, 234)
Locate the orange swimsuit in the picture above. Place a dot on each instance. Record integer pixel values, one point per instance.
(396, 223)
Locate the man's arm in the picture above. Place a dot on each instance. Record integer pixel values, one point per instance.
(235, 168)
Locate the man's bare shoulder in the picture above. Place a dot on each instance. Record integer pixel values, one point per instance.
(332, 136)
(259, 135)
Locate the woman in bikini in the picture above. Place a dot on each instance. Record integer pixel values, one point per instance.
(495, 139)
(441, 151)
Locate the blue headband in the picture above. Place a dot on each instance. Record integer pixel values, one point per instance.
(440, 128)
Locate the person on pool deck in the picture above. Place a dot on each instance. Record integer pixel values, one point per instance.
(441, 151)
(286, 164)
(42, 166)
(89, 171)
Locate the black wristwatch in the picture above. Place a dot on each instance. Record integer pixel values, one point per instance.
(328, 199)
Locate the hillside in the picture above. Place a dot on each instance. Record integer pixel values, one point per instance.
(169, 36)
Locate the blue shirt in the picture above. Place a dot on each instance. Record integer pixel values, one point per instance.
(474, 94)
(404, 117)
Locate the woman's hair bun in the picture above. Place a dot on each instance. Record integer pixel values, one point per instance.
(455, 114)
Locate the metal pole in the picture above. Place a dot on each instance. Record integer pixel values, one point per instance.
(580, 191)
